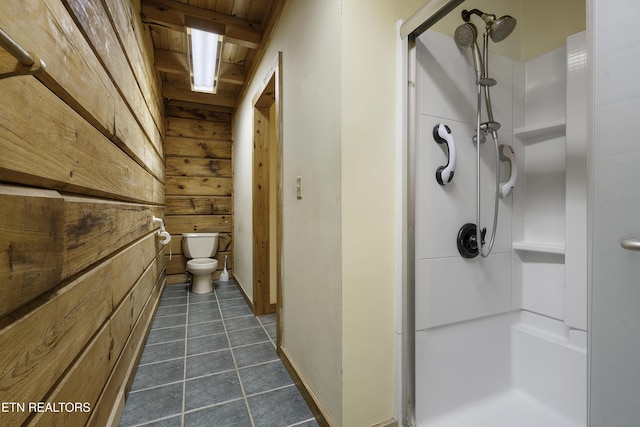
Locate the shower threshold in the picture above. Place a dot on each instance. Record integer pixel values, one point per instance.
(507, 409)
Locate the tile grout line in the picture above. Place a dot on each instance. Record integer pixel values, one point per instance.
(301, 422)
(266, 332)
(186, 351)
(142, 390)
(235, 363)
(190, 411)
(282, 387)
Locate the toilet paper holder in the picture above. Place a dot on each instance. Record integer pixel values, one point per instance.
(154, 219)
(162, 233)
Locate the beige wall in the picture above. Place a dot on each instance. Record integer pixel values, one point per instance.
(369, 204)
(309, 38)
(547, 24)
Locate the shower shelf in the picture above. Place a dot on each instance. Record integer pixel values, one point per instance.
(547, 248)
(541, 132)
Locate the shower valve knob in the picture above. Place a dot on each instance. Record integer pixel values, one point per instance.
(467, 240)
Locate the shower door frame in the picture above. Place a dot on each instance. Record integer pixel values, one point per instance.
(411, 29)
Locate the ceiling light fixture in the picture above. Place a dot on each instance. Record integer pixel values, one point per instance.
(204, 55)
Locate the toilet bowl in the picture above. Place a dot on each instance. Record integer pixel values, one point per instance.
(201, 247)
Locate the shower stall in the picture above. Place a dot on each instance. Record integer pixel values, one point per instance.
(514, 337)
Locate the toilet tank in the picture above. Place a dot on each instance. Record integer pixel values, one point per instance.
(200, 245)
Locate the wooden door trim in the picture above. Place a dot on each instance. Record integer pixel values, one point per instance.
(268, 94)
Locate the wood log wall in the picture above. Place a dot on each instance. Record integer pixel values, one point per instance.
(81, 175)
(199, 181)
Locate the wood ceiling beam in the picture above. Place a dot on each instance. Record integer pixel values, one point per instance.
(178, 63)
(232, 73)
(172, 103)
(173, 15)
(180, 92)
(171, 62)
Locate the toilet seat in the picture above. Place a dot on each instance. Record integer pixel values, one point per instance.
(202, 264)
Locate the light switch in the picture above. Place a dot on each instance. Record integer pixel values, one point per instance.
(299, 187)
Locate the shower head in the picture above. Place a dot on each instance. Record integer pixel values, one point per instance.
(498, 28)
(465, 36)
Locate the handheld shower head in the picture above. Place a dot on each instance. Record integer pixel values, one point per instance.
(498, 28)
(465, 36)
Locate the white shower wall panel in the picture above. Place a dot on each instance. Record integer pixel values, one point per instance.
(543, 288)
(447, 82)
(546, 83)
(544, 191)
(455, 289)
(501, 69)
(443, 209)
(450, 288)
(445, 79)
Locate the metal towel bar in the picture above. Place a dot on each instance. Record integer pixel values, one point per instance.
(30, 64)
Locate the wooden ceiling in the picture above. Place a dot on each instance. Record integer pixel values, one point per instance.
(247, 25)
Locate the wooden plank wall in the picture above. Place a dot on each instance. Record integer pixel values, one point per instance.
(199, 181)
(81, 174)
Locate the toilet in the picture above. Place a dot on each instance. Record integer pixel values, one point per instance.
(201, 247)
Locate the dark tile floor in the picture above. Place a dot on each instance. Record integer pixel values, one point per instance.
(209, 362)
